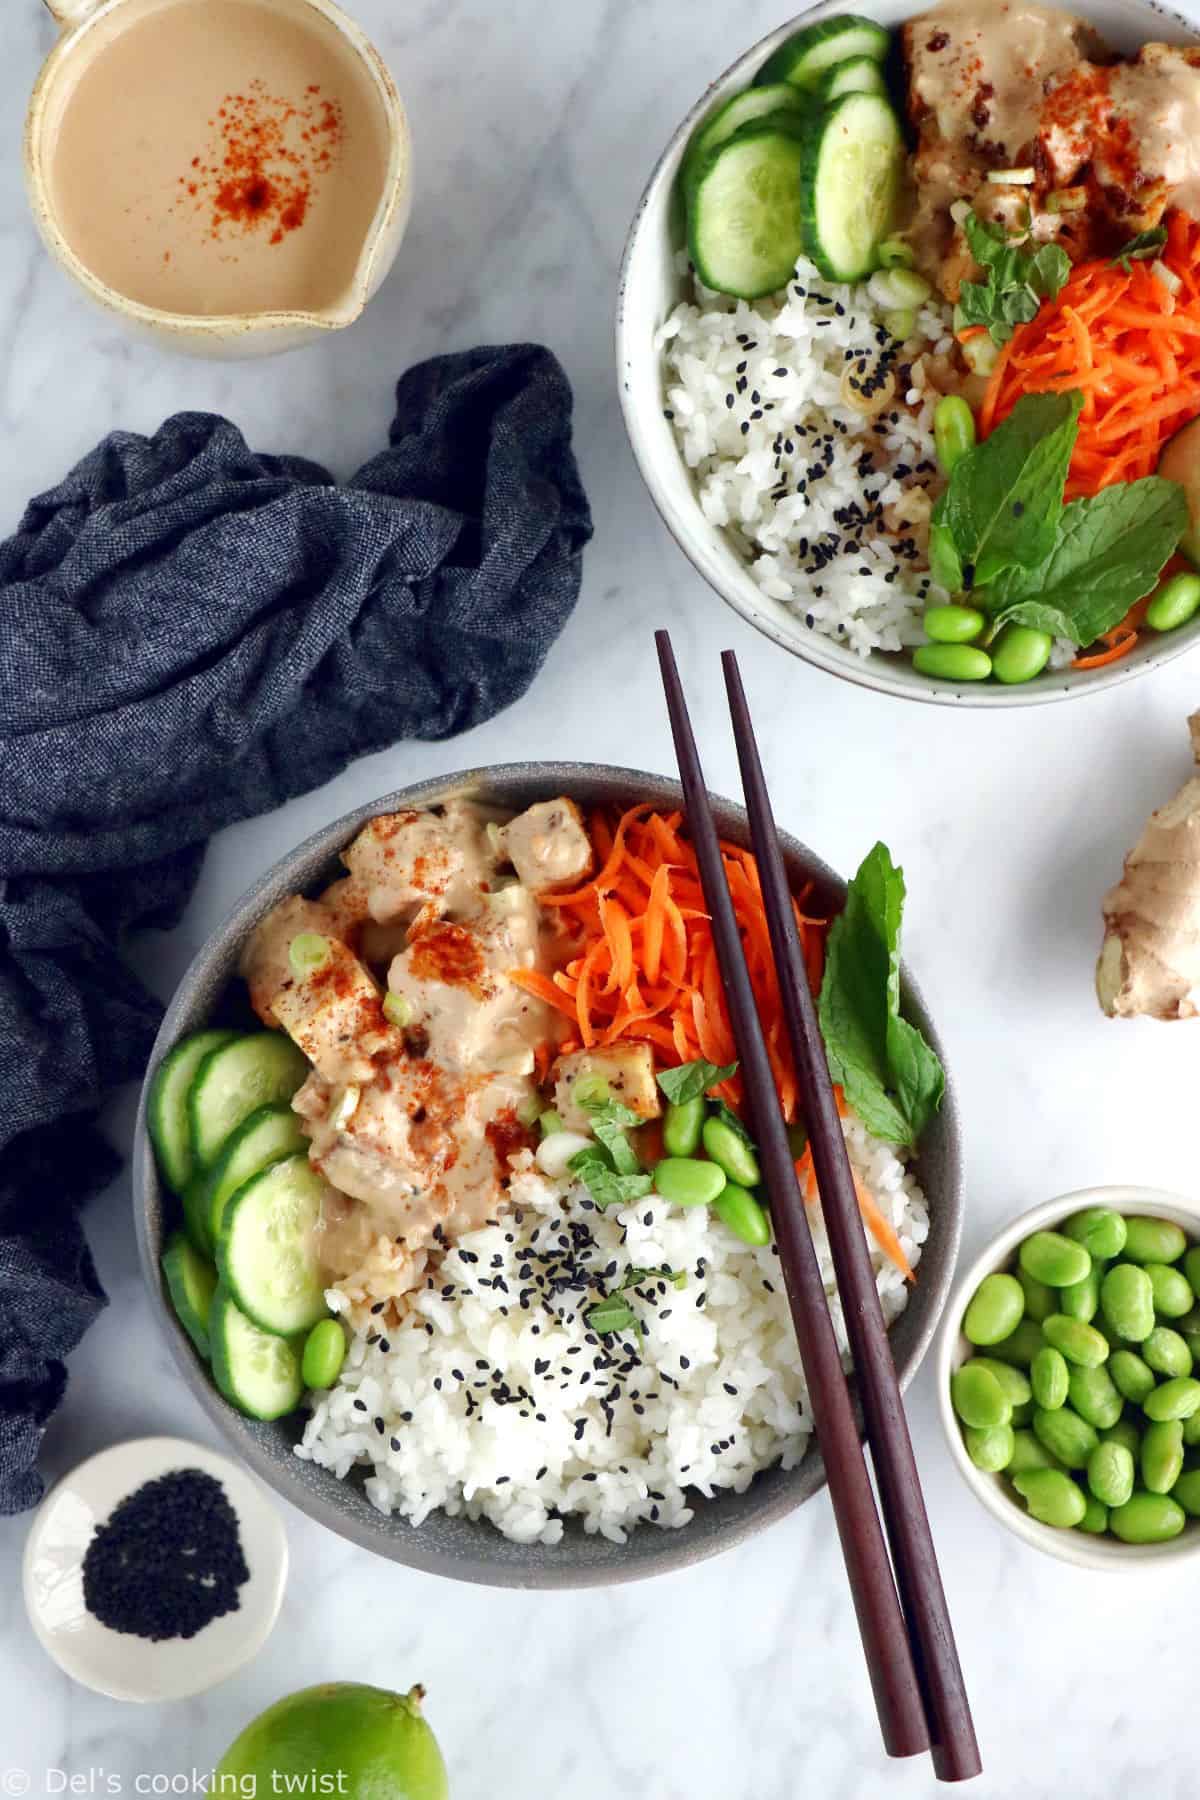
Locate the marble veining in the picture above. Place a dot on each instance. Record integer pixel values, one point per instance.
(535, 127)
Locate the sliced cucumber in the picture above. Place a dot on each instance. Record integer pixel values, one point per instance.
(167, 1109)
(744, 109)
(268, 1134)
(745, 227)
(195, 1217)
(234, 1080)
(191, 1281)
(803, 58)
(853, 174)
(256, 1371)
(267, 1251)
(857, 75)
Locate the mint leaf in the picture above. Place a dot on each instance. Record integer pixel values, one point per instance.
(1109, 552)
(634, 1277)
(1146, 244)
(609, 1122)
(690, 1080)
(891, 1077)
(1016, 280)
(611, 1314)
(727, 1115)
(605, 1185)
(1003, 502)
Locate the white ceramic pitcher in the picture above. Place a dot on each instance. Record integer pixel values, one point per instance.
(226, 335)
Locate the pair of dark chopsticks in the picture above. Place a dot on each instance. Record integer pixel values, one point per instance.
(901, 1606)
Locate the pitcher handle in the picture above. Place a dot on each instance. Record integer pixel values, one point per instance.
(70, 12)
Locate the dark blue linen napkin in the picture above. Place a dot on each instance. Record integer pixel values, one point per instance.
(192, 633)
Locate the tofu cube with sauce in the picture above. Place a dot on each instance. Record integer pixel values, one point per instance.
(628, 1070)
(548, 846)
(335, 1015)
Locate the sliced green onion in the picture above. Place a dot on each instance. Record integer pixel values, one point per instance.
(529, 1111)
(591, 1090)
(981, 354)
(909, 288)
(896, 253)
(1066, 200)
(1023, 177)
(308, 952)
(397, 1010)
(549, 1123)
(901, 324)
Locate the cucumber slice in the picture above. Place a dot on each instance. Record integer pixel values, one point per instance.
(804, 57)
(744, 109)
(268, 1134)
(191, 1281)
(166, 1108)
(234, 1080)
(195, 1217)
(257, 1372)
(745, 226)
(853, 173)
(857, 75)
(267, 1253)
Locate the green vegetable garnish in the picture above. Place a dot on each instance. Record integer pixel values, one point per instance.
(1140, 248)
(692, 1079)
(635, 1277)
(611, 1314)
(1017, 280)
(726, 1113)
(891, 1077)
(606, 1185)
(609, 1121)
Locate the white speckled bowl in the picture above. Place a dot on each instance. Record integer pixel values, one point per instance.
(458, 1547)
(650, 288)
(1077, 1547)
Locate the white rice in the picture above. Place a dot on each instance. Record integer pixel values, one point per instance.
(495, 1401)
(780, 458)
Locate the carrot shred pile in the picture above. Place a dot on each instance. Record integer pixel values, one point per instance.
(1128, 345)
(644, 964)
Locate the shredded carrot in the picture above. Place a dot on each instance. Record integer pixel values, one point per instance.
(1131, 348)
(1117, 643)
(883, 1231)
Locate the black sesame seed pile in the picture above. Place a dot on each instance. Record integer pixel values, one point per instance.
(168, 1561)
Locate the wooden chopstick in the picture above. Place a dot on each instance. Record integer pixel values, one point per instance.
(890, 1662)
(955, 1750)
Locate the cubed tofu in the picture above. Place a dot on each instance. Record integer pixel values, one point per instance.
(265, 965)
(335, 1015)
(628, 1070)
(406, 860)
(548, 846)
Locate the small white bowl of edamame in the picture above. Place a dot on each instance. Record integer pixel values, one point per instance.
(1068, 1373)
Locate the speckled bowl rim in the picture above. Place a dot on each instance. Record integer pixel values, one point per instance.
(1085, 1552)
(488, 1557)
(693, 532)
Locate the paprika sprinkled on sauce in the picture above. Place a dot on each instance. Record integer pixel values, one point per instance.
(268, 156)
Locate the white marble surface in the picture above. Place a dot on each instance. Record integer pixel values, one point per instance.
(535, 126)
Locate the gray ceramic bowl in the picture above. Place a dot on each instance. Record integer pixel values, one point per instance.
(457, 1547)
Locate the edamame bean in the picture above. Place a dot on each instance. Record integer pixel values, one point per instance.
(324, 1354)
(1078, 1342)
(1189, 1330)
(995, 1310)
(1051, 1496)
(1020, 653)
(1166, 1352)
(1028, 1453)
(953, 430)
(731, 1152)
(1082, 1299)
(1124, 1432)
(1040, 1300)
(1127, 1300)
(1110, 1473)
(1161, 1458)
(1133, 1378)
(952, 624)
(1187, 1492)
(1191, 1431)
(952, 662)
(1147, 1519)
(1094, 1397)
(1095, 1517)
(1191, 1268)
(978, 1398)
(1099, 1229)
(682, 1125)
(1177, 1398)
(991, 1450)
(1153, 1240)
(743, 1215)
(684, 1181)
(1014, 1383)
(1174, 603)
(1050, 1377)
(1054, 1259)
(1065, 1435)
(1021, 1346)
(1173, 1298)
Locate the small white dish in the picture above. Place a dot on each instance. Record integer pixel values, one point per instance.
(117, 1664)
(1077, 1547)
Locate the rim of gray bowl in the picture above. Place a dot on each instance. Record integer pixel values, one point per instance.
(463, 1549)
(873, 672)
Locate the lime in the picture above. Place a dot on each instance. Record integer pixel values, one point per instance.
(363, 1742)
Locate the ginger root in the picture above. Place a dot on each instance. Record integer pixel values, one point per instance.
(1150, 958)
